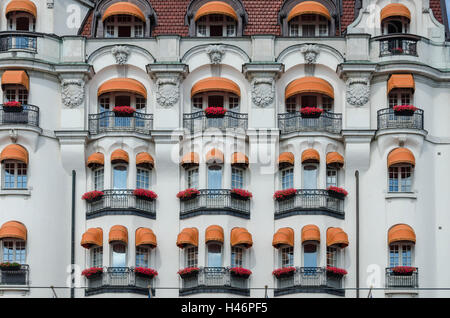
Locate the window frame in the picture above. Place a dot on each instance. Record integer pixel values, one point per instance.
(20, 93)
(290, 182)
(96, 185)
(317, 246)
(397, 94)
(95, 252)
(16, 164)
(208, 20)
(115, 23)
(111, 248)
(406, 24)
(227, 100)
(312, 164)
(189, 177)
(237, 256)
(334, 170)
(112, 101)
(191, 256)
(208, 245)
(146, 252)
(400, 246)
(295, 104)
(398, 168)
(237, 173)
(335, 253)
(12, 21)
(299, 22)
(14, 249)
(286, 261)
(113, 167)
(148, 173)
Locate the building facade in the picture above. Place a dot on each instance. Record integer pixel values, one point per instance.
(227, 145)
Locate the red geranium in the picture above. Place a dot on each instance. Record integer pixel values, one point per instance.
(283, 271)
(244, 194)
(150, 272)
(403, 269)
(397, 50)
(188, 194)
(401, 108)
(338, 190)
(91, 271)
(311, 111)
(284, 194)
(125, 110)
(215, 112)
(147, 194)
(336, 271)
(12, 104)
(188, 270)
(240, 271)
(93, 195)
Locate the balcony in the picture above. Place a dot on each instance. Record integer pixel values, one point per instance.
(215, 202)
(121, 202)
(293, 122)
(198, 122)
(310, 280)
(15, 41)
(29, 116)
(107, 122)
(388, 120)
(15, 277)
(118, 280)
(310, 202)
(398, 44)
(214, 280)
(402, 281)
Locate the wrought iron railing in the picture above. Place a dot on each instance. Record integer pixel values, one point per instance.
(387, 119)
(15, 277)
(310, 202)
(198, 122)
(108, 122)
(120, 202)
(395, 280)
(215, 202)
(294, 122)
(211, 277)
(28, 116)
(398, 44)
(18, 41)
(310, 278)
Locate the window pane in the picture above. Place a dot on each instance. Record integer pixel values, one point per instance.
(331, 256)
(287, 257)
(214, 255)
(287, 179)
(393, 256)
(120, 177)
(215, 177)
(142, 179)
(393, 179)
(310, 255)
(192, 257)
(98, 179)
(332, 177)
(192, 178)
(97, 257)
(237, 178)
(406, 179)
(118, 255)
(8, 251)
(310, 177)
(142, 256)
(236, 257)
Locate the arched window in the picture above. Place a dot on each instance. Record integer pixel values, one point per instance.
(334, 162)
(239, 163)
(96, 162)
(309, 92)
(144, 166)
(122, 92)
(286, 166)
(401, 239)
(14, 159)
(401, 90)
(145, 242)
(395, 18)
(216, 92)
(15, 85)
(188, 240)
(241, 240)
(214, 238)
(21, 15)
(14, 236)
(118, 240)
(401, 164)
(190, 162)
(214, 160)
(119, 161)
(283, 240)
(310, 167)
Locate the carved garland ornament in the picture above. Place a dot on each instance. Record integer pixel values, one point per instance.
(72, 93)
(263, 91)
(358, 91)
(168, 92)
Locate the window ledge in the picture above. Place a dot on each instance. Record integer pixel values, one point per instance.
(25, 192)
(401, 195)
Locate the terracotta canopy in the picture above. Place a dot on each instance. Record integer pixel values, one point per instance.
(401, 155)
(310, 233)
(337, 236)
(92, 237)
(401, 233)
(190, 159)
(96, 159)
(13, 229)
(128, 85)
(215, 84)
(215, 7)
(309, 85)
(335, 159)
(239, 158)
(309, 7)
(284, 236)
(395, 10)
(14, 152)
(214, 233)
(310, 155)
(21, 6)
(144, 159)
(145, 236)
(16, 78)
(119, 155)
(118, 233)
(214, 156)
(240, 236)
(286, 159)
(188, 236)
(123, 8)
(401, 81)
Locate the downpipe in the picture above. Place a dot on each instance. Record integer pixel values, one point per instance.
(357, 232)
(72, 256)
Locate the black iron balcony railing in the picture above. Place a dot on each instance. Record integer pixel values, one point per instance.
(294, 122)
(310, 279)
(310, 202)
(387, 119)
(28, 116)
(215, 202)
(118, 280)
(15, 276)
(18, 41)
(198, 122)
(396, 280)
(121, 202)
(108, 122)
(214, 280)
(398, 44)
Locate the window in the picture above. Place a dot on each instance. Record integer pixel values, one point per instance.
(400, 255)
(97, 257)
(310, 255)
(99, 176)
(16, 93)
(400, 178)
(214, 255)
(237, 178)
(191, 254)
(287, 256)
(308, 25)
(216, 99)
(107, 101)
(216, 25)
(400, 97)
(118, 255)
(295, 103)
(14, 175)
(310, 176)
(21, 21)
(124, 26)
(214, 177)
(120, 177)
(142, 178)
(192, 178)
(237, 256)
(142, 256)
(332, 177)
(394, 25)
(287, 178)
(332, 257)
(14, 251)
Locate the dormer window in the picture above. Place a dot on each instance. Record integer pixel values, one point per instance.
(395, 18)
(216, 25)
(124, 26)
(21, 15)
(308, 25)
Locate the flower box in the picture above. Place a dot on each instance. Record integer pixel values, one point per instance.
(145, 272)
(92, 272)
(336, 192)
(188, 272)
(124, 111)
(403, 270)
(336, 272)
(404, 110)
(240, 272)
(7, 266)
(240, 194)
(284, 272)
(397, 50)
(92, 196)
(215, 112)
(12, 107)
(188, 194)
(145, 194)
(311, 112)
(282, 195)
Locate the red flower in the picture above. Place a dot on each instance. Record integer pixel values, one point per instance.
(12, 104)
(283, 271)
(188, 270)
(403, 269)
(124, 110)
(91, 271)
(90, 196)
(188, 194)
(240, 271)
(398, 50)
(215, 111)
(337, 190)
(145, 194)
(244, 194)
(150, 272)
(400, 108)
(284, 194)
(311, 111)
(336, 271)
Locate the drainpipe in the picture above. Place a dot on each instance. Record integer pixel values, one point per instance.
(357, 232)
(72, 257)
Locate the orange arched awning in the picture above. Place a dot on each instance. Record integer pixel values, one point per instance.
(188, 236)
(21, 6)
(16, 78)
(401, 155)
(240, 236)
(92, 237)
(214, 156)
(215, 84)
(119, 155)
(128, 85)
(310, 155)
(337, 236)
(401, 81)
(395, 10)
(144, 159)
(190, 159)
(309, 85)
(14, 152)
(96, 159)
(284, 236)
(215, 7)
(214, 233)
(145, 236)
(401, 233)
(286, 159)
(118, 233)
(335, 159)
(310, 233)
(123, 8)
(238, 158)
(13, 229)
(309, 7)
